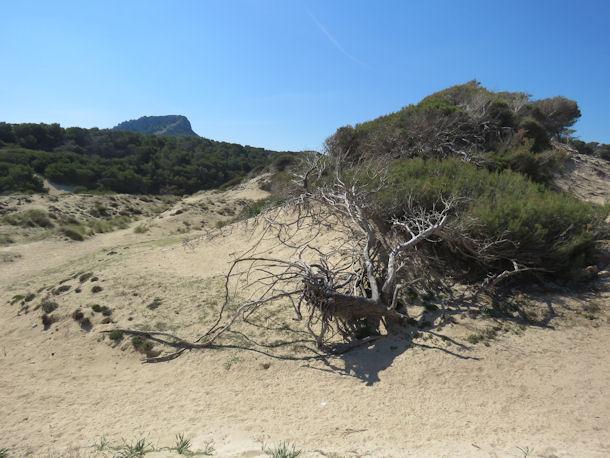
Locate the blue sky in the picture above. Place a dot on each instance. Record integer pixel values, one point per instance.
(286, 74)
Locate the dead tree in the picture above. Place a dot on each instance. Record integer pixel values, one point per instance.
(347, 266)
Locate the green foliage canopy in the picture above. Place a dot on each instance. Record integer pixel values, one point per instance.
(120, 161)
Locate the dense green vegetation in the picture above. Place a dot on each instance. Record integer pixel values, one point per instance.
(501, 130)
(119, 161)
(493, 152)
(513, 217)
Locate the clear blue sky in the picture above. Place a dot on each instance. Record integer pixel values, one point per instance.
(286, 74)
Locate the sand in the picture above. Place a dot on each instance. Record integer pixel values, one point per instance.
(542, 391)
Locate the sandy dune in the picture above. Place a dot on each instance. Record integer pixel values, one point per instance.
(538, 390)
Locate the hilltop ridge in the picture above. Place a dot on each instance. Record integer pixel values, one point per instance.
(168, 125)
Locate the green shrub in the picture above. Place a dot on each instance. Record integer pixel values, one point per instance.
(539, 167)
(534, 130)
(86, 324)
(103, 309)
(96, 289)
(141, 344)
(97, 308)
(540, 227)
(115, 335)
(48, 306)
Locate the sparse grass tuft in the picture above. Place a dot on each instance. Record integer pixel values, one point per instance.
(136, 449)
(183, 445)
(84, 277)
(4, 453)
(282, 450)
(154, 304)
(17, 298)
(483, 336)
(140, 229)
(141, 447)
(101, 445)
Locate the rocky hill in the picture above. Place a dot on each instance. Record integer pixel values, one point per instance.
(159, 125)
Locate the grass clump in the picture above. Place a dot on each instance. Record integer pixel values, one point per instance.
(141, 228)
(156, 303)
(115, 335)
(73, 233)
(61, 289)
(183, 445)
(282, 450)
(141, 344)
(135, 449)
(84, 277)
(86, 324)
(17, 298)
(96, 289)
(29, 218)
(48, 306)
(103, 309)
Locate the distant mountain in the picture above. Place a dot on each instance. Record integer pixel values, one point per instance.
(174, 125)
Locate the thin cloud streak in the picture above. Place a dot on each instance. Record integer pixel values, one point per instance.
(333, 40)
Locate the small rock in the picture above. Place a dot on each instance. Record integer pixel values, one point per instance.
(34, 325)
